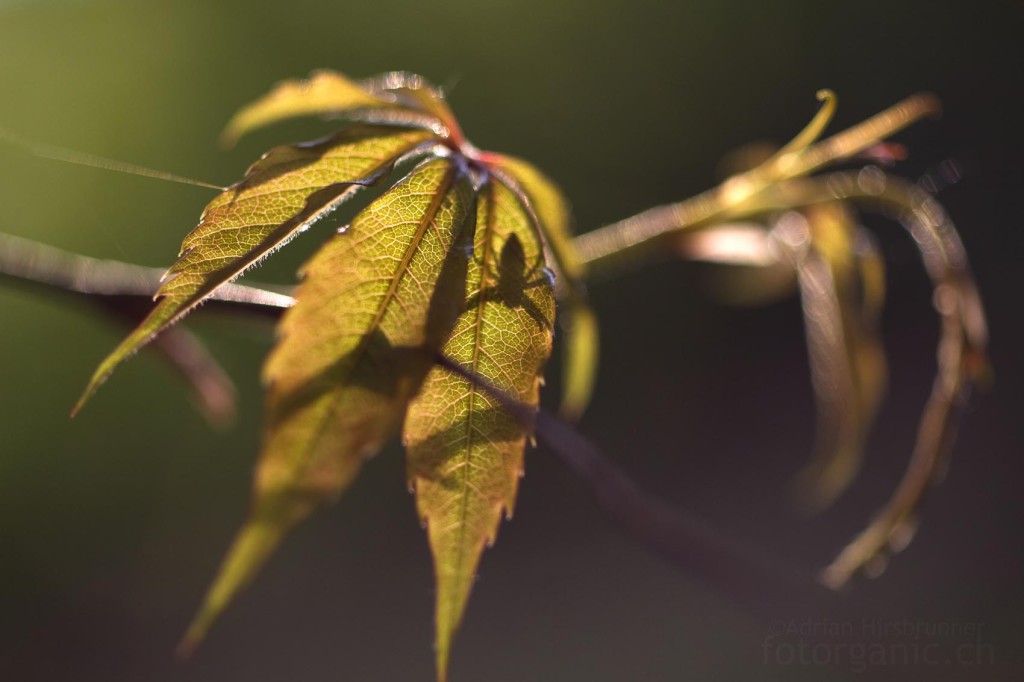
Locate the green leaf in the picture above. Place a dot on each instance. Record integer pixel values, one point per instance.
(549, 209)
(376, 304)
(547, 206)
(581, 358)
(324, 92)
(283, 193)
(416, 92)
(465, 452)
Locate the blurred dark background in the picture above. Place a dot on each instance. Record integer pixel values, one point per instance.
(112, 525)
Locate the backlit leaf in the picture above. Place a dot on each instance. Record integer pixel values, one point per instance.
(415, 92)
(548, 205)
(549, 208)
(465, 452)
(376, 304)
(962, 361)
(323, 93)
(283, 193)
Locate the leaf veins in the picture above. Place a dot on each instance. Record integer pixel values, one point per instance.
(465, 452)
(283, 193)
(375, 306)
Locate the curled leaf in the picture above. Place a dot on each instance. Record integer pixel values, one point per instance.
(842, 288)
(282, 194)
(961, 361)
(813, 130)
(375, 305)
(465, 451)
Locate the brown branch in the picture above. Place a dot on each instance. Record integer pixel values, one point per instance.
(52, 270)
(125, 293)
(760, 584)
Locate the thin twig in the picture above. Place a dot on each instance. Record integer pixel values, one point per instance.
(124, 293)
(616, 244)
(762, 585)
(40, 266)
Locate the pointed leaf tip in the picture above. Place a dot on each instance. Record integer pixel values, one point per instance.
(464, 451)
(158, 318)
(814, 129)
(352, 352)
(283, 193)
(253, 545)
(323, 92)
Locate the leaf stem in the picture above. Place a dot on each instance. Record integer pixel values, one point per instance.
(961, 349)
(624, 242)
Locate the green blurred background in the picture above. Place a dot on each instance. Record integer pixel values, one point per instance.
(112, 525)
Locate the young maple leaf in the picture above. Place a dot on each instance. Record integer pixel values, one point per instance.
(454, 258)
(435, 308)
